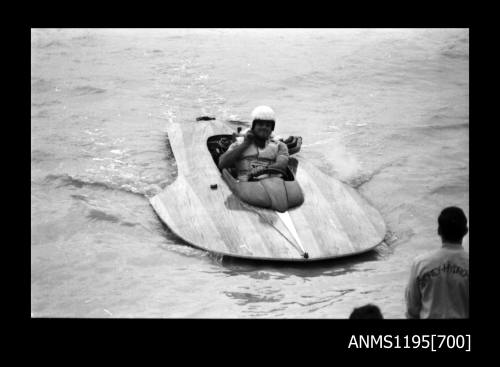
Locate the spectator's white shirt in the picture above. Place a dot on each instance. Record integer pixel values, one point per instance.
(439, 285)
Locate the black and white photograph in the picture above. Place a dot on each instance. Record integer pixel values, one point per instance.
(250, 173)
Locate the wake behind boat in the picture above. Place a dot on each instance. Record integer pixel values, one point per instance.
(319, 218)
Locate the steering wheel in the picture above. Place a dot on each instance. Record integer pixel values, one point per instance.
(270, 170)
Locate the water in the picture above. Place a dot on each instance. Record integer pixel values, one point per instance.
(383, 110)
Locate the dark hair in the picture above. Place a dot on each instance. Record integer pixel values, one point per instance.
(368, 311)
(267, 121)
(452, 224)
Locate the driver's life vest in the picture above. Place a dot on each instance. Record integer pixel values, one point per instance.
(254, 156)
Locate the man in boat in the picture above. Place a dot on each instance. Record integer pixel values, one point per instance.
(439, 281)
(257, 151)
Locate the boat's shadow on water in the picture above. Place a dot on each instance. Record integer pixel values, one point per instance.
(327, 267)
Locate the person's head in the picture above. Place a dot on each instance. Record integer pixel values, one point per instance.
(263, 121)
(368, 311)
(452, 225)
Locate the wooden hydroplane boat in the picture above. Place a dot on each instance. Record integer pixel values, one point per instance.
(203, 206)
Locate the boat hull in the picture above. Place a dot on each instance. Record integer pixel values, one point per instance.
(333, 221)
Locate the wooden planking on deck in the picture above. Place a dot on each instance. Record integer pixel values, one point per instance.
(352, 210)
(350, 215)
(321, 219)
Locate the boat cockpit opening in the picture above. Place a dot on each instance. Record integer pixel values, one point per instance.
(218, 145)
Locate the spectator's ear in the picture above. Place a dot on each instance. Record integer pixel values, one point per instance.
(466, 230)
(439, 231)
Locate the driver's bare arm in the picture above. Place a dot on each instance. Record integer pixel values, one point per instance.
(281, 163)
(229, 158)
(282, 159)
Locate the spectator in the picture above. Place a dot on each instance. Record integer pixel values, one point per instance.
(439, 281)
(368, 311)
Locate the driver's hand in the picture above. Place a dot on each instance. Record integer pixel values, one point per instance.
(249, 137)
(257, 171)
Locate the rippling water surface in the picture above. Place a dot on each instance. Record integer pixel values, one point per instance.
(383, 110)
